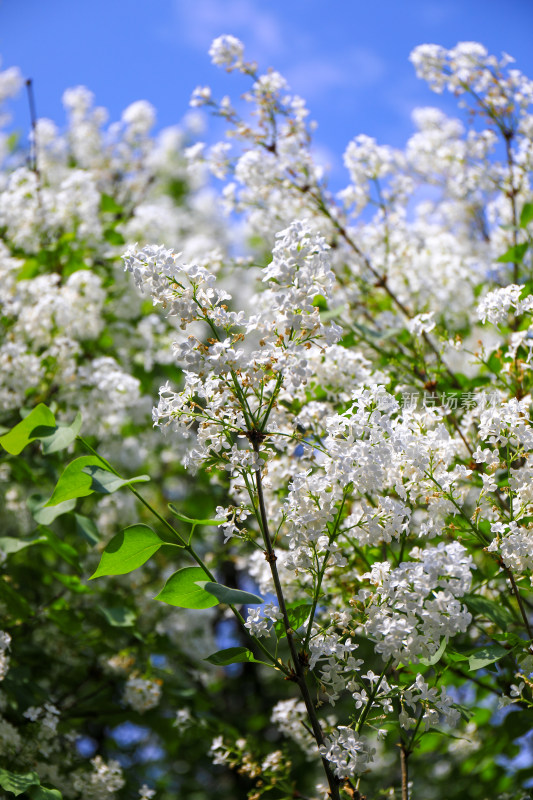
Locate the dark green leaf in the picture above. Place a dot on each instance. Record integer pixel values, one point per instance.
(232, 597)
(128, 550)
(62, 548)
(515, 254)
(9, 544)
(484, 656)
(232, 655)
(86, 528)
(59, 437)
(526, 215)
(106, 482)
(17, 605)
(42, 793)
(45, 515)
(119, 616)
(483, 607)
(114, 237)
(297, 616)
(17, 783)
(182, 590)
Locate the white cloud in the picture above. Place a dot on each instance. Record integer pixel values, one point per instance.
(435, 14)
(358, 68)
(198, 22)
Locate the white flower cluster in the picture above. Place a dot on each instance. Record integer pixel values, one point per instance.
(416, 604)
(102, 782)
(227, 51)
(236, 375)
(495, 306)
(349, 752)
(5, 644)
(142, 693)
(468, 67)
(515, 544)
(337, 663)
(290, 717)
(432, 705)
(47, 717)
(259, 620)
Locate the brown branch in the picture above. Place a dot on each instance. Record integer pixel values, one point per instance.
(298, 670)
(404, 755)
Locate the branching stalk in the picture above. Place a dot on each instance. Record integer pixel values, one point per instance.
(299, 674)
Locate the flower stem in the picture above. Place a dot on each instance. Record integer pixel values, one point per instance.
(299, 674)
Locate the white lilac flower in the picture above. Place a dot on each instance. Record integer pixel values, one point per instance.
(348, 752)
(142, 693)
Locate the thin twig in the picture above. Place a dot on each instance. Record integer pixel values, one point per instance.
(33, 120)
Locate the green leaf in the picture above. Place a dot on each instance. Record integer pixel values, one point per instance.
(455, 657)
(109, 205)
(17, 605)
(106, 482)
(516, 642)
(72, 582)
(8, 544)
(182, 590)
(436, 657)
(515, 254)
(118, 616)
(59, 437)
(526, 215)
(86, 528)
(17, 783)
(114, 237)
(128, 550)
(22, 434)
(484, 656)
(191, 521)
(74, 481)
(42, 793)
(44, 515)
(62, 548)
(483, 607)
(232, 597)
(297, 616)
(232, 655)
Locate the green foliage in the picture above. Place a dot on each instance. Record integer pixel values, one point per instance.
(232, 597)
(129, 549)
(182, 589)
(86, 475)
(515, 254)
(29, 782)
(74, 481)
(526, 215)
(484, 656)
(232, 655)
(28, 430)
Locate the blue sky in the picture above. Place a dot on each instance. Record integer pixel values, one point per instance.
(348, 58)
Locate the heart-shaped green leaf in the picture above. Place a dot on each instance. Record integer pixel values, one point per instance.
(74, 481)
(182, 590)
(15, 440)
(129, 549)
